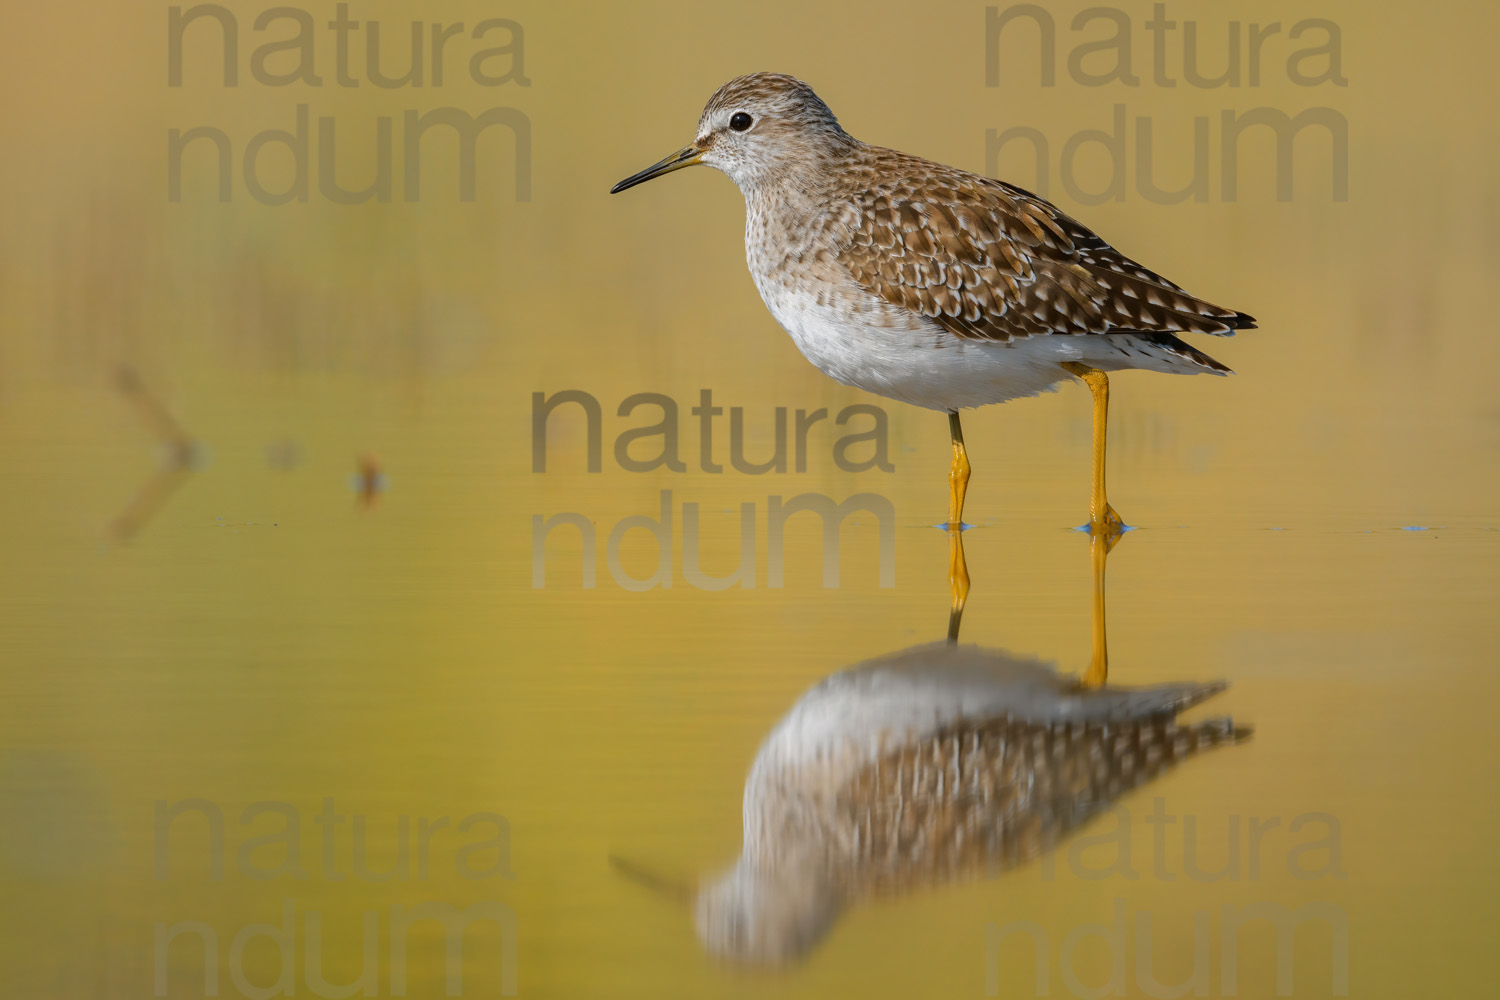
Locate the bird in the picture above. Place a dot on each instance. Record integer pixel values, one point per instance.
(932, 765)
(929, 284)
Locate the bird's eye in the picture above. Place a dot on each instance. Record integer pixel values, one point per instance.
(740, 121)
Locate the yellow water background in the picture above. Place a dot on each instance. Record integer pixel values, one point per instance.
(265, 627)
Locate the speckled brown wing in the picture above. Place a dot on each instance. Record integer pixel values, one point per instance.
(989, 261)
(983, 798)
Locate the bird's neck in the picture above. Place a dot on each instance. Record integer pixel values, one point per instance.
(797, 186)
(784, 213)
(783, 201)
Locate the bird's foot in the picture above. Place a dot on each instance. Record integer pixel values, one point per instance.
(1109, 525)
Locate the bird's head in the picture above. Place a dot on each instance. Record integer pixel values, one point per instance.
(750, 915)
(754, 128)
(764, 918)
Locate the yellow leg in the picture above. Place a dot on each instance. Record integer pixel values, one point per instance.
(1099, 545)
(958, 475)
(958, 581)
(1102, 517)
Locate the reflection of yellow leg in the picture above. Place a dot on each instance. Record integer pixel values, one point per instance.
(958, 475)
(958, 581)
(1102, 516)
(1099, 545)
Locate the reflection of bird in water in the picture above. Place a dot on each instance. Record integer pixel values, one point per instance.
(1101, 543)
(940, 763)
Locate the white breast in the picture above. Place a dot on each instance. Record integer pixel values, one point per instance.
(857, 338)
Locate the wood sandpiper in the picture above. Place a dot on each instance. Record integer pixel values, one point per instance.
(929, 284)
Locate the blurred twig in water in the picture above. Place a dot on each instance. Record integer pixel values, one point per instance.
(672, 888)
(180, 460)
(369, 480)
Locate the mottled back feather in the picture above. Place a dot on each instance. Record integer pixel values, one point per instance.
(983, 798)
(990, 261)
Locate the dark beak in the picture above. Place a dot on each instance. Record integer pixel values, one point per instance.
(663, 885)
(685, 157)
